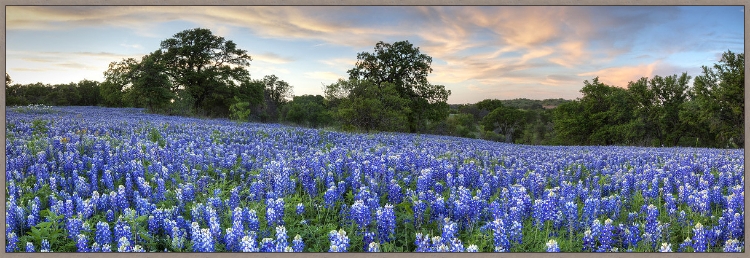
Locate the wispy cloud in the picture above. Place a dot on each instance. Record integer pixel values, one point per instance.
(498, 51)
(273, 58)
(136, 46)
(620, 76)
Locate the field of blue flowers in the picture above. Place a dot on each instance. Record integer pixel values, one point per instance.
(91, 179)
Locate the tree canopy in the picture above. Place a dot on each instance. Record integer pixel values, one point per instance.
(403, 66)
(206, 66)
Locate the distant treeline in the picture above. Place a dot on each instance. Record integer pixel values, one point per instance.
(195, 73)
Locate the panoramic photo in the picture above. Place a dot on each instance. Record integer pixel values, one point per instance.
(374, 129)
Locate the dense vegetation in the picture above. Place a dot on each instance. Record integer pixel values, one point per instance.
(196, 73)
(94, 179)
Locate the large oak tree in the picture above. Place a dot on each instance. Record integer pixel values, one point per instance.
(403, 66)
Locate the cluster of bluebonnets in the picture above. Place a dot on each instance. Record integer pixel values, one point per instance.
(89, 179)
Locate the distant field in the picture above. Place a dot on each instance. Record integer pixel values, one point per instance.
(82, 179)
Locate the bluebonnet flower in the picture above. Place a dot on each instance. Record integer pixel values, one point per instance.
(281, 242)
(123, 245)
(74, 227)
(160, 190)
(699, 238)
(33, 218)
(424, 180)
(588, 241)
(605, 238)
(456, 245)
(632, 235)
(472, 249)
(330, 196)
(394, 192)
(266, 245)
(213, 226)
(732, 246)
(300, 208)
(386, 223)
(502, 244)
(360, 214)
(339, 241)
(596, 228)
(270, 216)
(665, 248)
(539, 212)
(12, 245)
(571, 214)
(122, 230)
(373, 247)
(252, 220)
(29, 247)
(68, 210)
(110, 216)
(687, 243)
(422, 243)
(419, 207)
(736, 226)
(297, 244)
(177, 238)
(449, 230)
(82, 244)
(153, 224)
(202, 239)
(552, 246)
(45, 246)
(590, 210)
(231, 239)
(103, 234)
(247, 244)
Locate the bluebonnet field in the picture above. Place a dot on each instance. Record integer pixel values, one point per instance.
(85, 179)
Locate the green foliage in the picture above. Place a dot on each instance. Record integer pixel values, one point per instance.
(52, 230)
(719, 93)
(372, 107)
(239, 110)
(307, 110)
(402, 65)
(489, 104)
(208, 67)
(150, 82)
(155, 136)
(505, 120)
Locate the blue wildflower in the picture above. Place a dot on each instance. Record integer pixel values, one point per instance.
(82, 244)
(552, 246)
(732, 246)
(103, 233)
(247, 244)
(297, 244)
(281, 242)
(700, 244)
(12, 245)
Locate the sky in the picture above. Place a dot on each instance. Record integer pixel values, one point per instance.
(478, 52)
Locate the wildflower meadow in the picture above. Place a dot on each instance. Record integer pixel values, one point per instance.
(93, 179)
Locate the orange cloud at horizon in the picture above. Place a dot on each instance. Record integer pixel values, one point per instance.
(621, 76)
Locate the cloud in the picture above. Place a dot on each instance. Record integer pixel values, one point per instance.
(498, 49)
(620, 76)
(136, 46)
(273, 58)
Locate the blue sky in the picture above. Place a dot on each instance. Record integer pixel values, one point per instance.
(478, 52)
